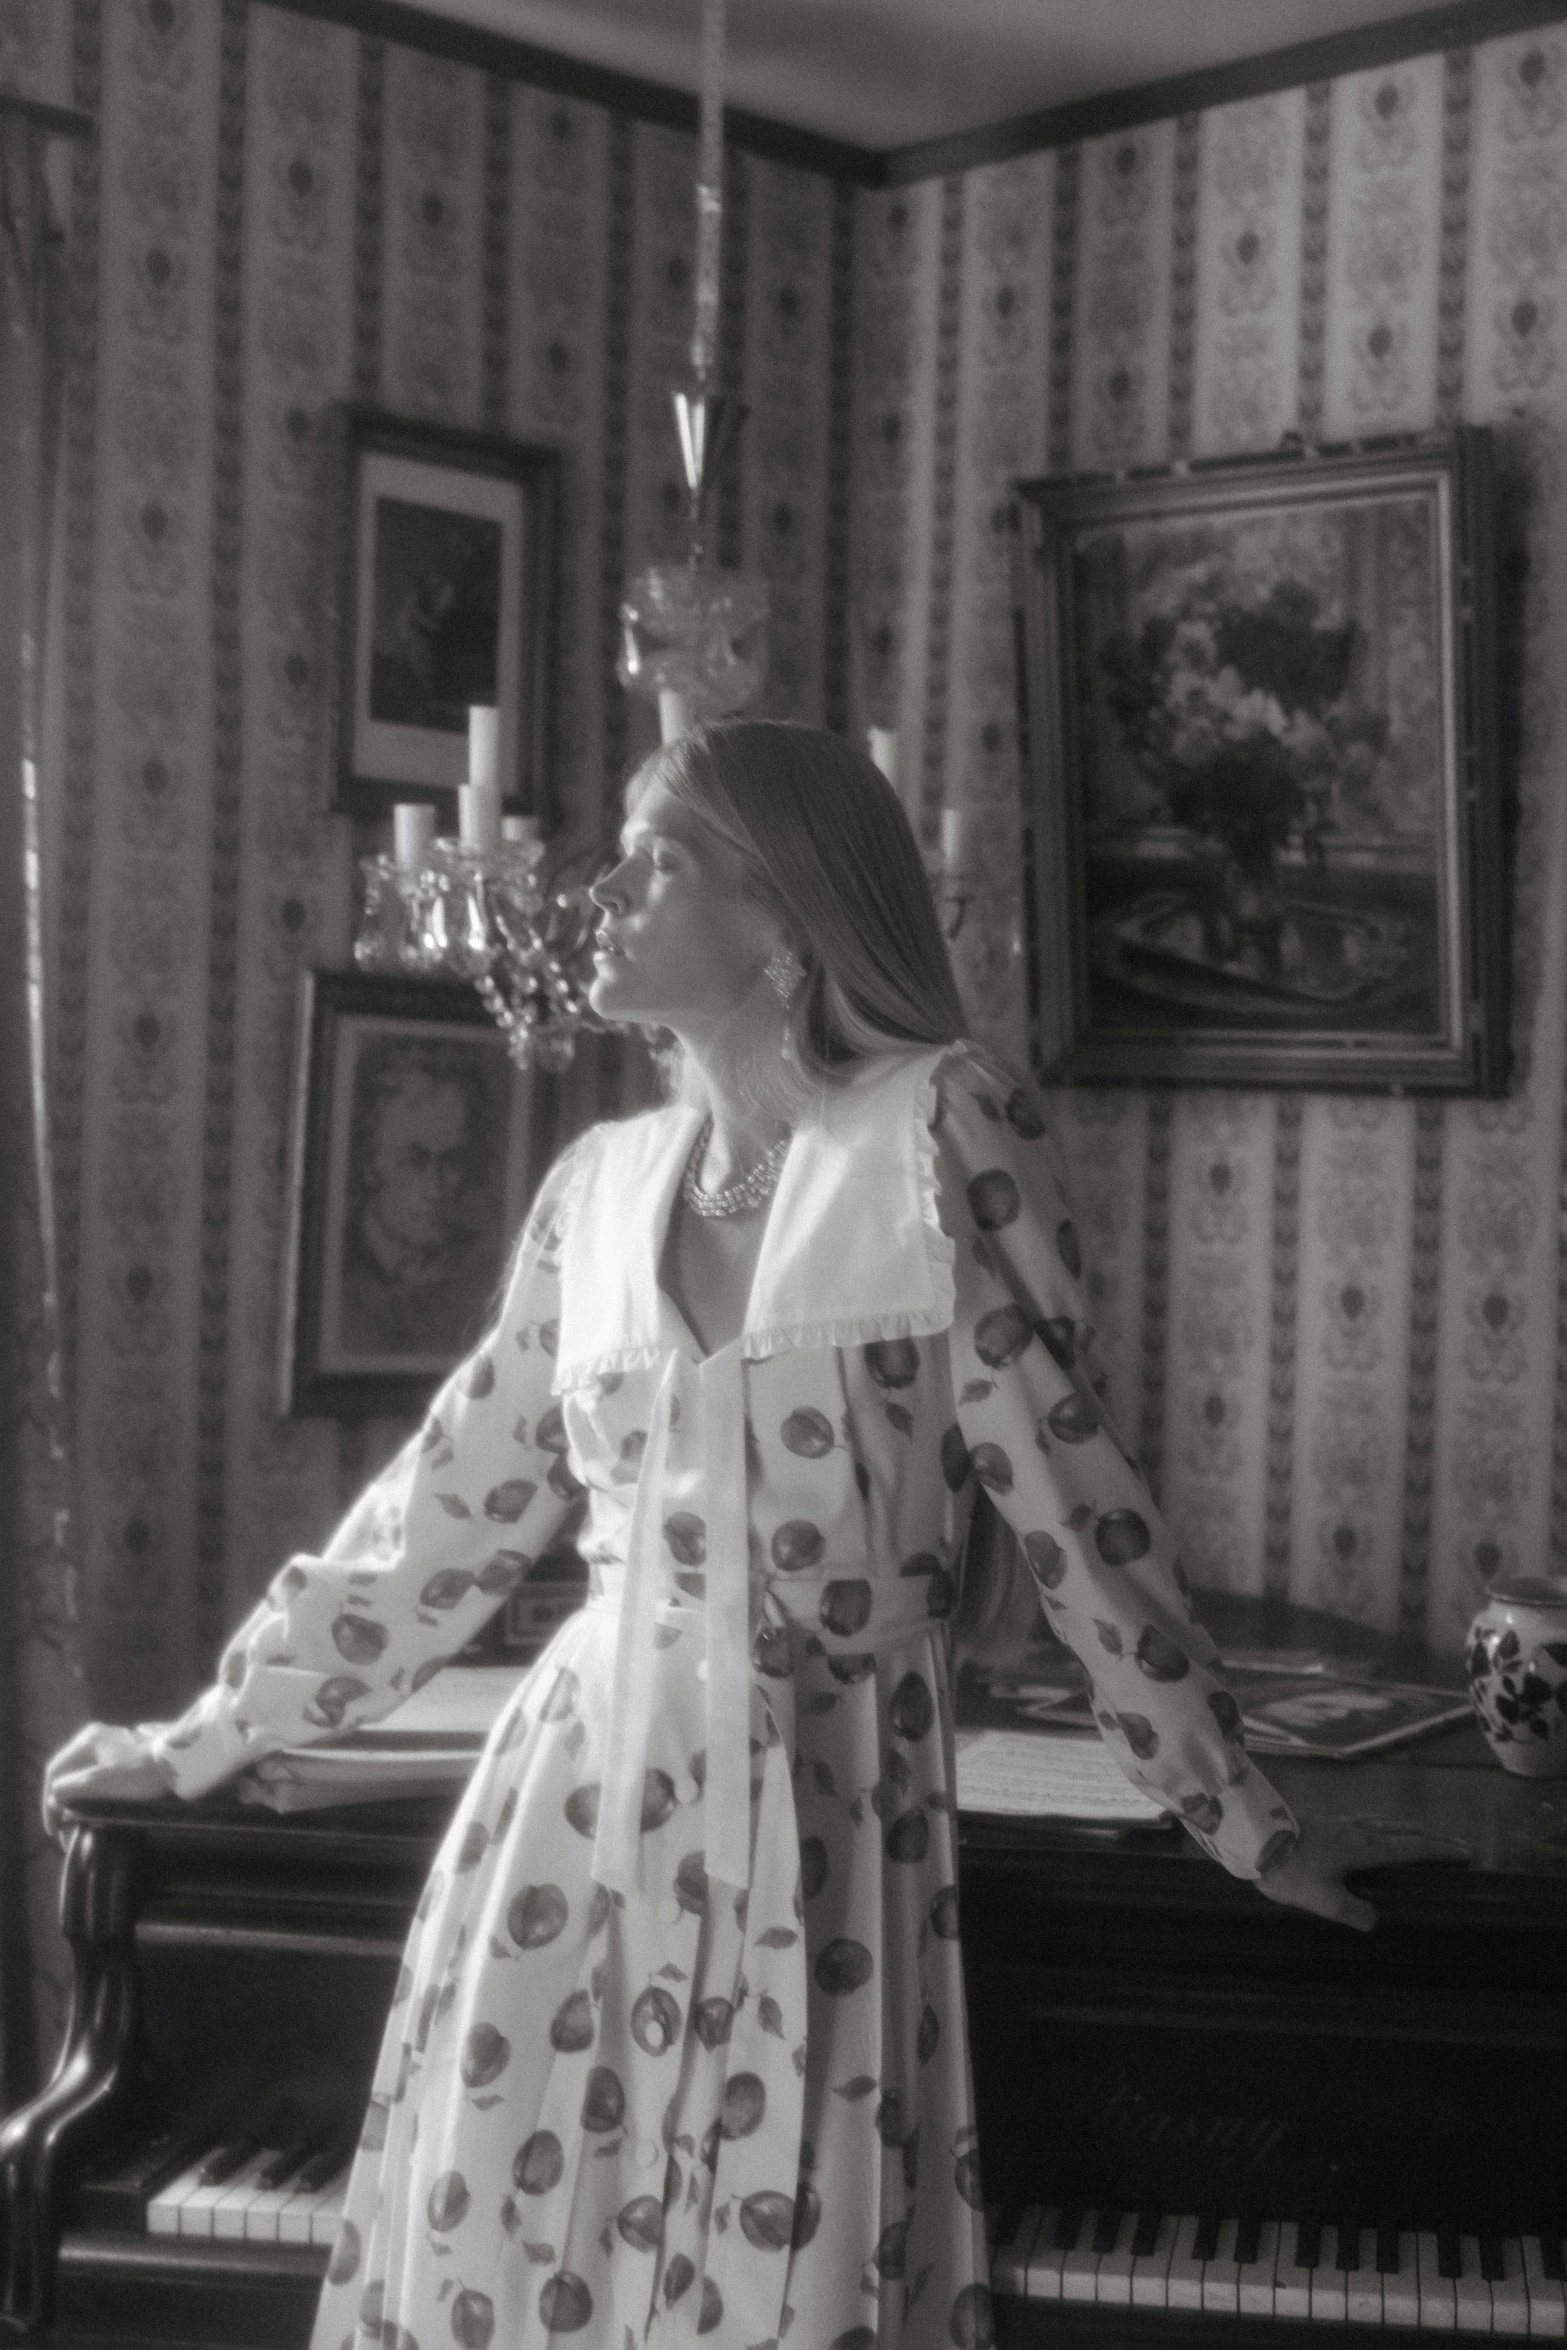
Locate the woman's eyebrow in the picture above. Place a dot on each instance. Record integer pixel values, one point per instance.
(634, 832)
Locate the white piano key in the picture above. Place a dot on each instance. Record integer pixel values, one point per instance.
(1080, 2265)
(228, 2212)
(1009, 2260)
(164, 2209)
(1255, 2283)
(1438, 2309)
(1151, 2270)
(1291, 2282)
(1183, 2278)
(1509, 2292)
(329, 2211)
(293, 2224)
(1044, 2261)
(1547, 2296)
(1401, 2288)
(1329, 2285)
(265, 2208)
(1363, 2285)
(1221, 2276)
(1471, 2291)
(1113, 2284)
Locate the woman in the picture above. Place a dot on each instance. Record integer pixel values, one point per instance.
(679, 2047)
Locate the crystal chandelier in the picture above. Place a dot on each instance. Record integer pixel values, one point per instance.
(481, 908)
(695, 636)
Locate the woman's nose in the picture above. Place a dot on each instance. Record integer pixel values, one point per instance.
(608, 892)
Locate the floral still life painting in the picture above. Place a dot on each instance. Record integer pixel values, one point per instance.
(1267, 799)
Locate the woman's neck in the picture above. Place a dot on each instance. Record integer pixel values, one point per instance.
(745, 1123)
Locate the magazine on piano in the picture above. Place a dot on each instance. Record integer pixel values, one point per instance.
(1292, 1702)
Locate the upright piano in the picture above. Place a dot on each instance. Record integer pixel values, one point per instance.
(1200, 2113)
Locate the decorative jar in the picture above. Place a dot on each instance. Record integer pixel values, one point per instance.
(1517, 1665)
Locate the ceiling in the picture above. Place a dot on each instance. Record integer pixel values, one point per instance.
(895, 73)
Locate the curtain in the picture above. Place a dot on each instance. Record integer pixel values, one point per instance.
(34, 1515)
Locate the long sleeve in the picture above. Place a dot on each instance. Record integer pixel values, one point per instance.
(1035, 1431)
(428, 1551)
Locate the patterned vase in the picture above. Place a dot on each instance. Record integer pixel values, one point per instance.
(1517, 1662)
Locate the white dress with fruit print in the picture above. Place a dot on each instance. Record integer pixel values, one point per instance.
(679, 2047)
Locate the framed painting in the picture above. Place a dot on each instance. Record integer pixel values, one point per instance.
(1258, 712)
(443, 596)
(416, 1146)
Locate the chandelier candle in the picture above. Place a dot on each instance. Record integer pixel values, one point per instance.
(413, 830)
(479, 799)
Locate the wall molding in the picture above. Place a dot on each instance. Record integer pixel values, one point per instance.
(1454, 24)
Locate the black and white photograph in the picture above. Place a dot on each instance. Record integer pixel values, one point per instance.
(411, 1159)
(783, 1141)
(442, 599)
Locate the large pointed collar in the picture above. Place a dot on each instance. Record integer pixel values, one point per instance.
(853, 1249)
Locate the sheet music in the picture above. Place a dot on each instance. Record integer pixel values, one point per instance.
(1036, 1776)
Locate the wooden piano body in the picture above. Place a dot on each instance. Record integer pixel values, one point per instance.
(1149, 2036)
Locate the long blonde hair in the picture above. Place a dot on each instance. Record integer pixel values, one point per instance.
(827, 850)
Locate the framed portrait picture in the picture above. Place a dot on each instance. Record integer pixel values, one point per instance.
(1258, 707)
(416, 1147)
(443, 596)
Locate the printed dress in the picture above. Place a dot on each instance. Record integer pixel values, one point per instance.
(679, 2046)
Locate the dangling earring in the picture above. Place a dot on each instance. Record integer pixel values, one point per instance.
(783, 973)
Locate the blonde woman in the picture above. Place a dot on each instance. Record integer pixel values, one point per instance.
(679, 2048)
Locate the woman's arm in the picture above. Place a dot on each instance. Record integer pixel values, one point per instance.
(428, 1552)
(1034, 1425)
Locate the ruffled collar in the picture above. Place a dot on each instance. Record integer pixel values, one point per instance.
(853, 1249)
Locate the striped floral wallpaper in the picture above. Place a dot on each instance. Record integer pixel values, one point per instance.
(1335, 1326)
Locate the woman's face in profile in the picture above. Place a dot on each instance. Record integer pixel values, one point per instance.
(679, 940)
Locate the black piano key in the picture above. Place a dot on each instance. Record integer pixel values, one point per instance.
(1248, 2240)
(1348, 2245)
(1387, 2252)
(1068, 2228)
(284, 2163)
(1308, 2249)
(1106, 2231)
(226, 2159)
(1205, 2244)
(1551, 2256)
(1493, 2266)
(324, 2164)
(1146, 2234)
(1449, 2253)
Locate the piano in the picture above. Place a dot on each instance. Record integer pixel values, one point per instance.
(1201, 2115)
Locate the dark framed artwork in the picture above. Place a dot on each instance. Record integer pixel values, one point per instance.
(416, 1146)
(443, 595)
(1257, 703)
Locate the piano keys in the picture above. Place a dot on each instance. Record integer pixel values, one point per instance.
(1303, 2271)
(1200, 2111)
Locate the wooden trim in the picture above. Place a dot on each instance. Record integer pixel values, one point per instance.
(596, 85)
(59, 122)
(1456, 24)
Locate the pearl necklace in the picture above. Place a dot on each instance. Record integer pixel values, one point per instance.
(735, 1198)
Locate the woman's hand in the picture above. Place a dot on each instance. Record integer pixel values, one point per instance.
(1313, 1875)
(101, 1760)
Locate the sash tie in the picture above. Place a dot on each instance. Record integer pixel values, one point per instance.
(714, 1388)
